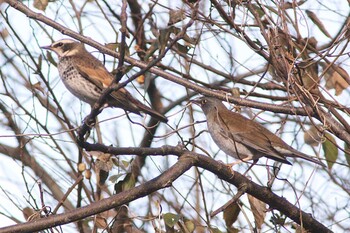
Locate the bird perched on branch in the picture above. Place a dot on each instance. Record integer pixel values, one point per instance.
(86, 78)
(242, 138)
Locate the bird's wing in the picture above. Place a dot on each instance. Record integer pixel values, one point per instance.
(97, 75)
(258, 140)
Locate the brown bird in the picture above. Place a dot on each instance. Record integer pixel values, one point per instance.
(242, 138)
(86, 78)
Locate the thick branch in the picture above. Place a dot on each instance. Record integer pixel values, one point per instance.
(185, 162)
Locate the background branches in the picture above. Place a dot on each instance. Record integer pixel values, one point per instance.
(284, 64)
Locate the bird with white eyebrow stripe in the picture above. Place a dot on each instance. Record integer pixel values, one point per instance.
(86, 78)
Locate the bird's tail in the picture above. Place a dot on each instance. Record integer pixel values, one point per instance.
(151, 112)
(123, 99)
(307, 157)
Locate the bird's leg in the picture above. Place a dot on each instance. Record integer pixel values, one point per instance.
(246, 159)
(230, 165)
(250, 167)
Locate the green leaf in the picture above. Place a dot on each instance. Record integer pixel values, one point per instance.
(152, 49)
(126, 184)
(258, 10)
(50, 58)
(118, 187)
(215, 230)
(129, 182)
(233, 230)
(190, 227)
(126, 163)
(347, 153)
(164, 35)
(171, 219)
(330, 150)
(40, 60)
(114, 178)
(182, 49)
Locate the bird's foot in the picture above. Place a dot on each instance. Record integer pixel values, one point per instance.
(90, 122)
(230, 165)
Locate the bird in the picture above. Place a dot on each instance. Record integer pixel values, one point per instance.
(86, 78)
(243, 138)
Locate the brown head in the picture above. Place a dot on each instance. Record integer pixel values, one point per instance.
(209, 104)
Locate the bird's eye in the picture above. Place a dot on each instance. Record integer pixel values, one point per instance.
(60, 44)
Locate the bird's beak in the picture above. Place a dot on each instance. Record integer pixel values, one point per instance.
(46, 47)
(195, 101)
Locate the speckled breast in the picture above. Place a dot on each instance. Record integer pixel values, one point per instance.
(77, 84)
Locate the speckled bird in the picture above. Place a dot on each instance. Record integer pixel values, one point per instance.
(86, 78)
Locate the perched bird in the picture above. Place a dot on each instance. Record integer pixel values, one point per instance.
(86, 78)
(243, 138)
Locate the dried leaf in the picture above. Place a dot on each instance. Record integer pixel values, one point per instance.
(35, 216)
(235, 92)
(4, 32)
(259, 210)
(40, 4)
(317, 22)
(334, 80)
(312, 41)
(299, 229)
(330, 150)
(101, 222)
(292, 5)
(312, 136)
(27, 212)
(104, 162)
(116, 47)
(38, 87)
(103, 165)
(176, 16)
(231, 213)
(310, 78)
